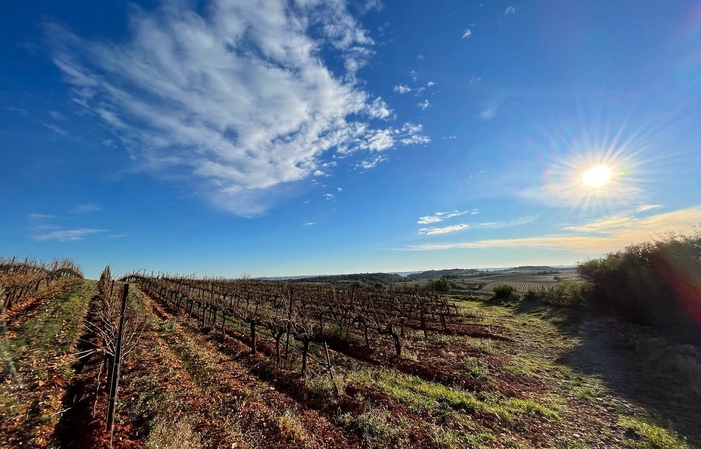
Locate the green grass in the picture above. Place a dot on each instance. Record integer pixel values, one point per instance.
(423, 396)
(648, 435)
(377, 428)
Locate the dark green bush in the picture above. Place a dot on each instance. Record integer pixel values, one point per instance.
(654, 283)
(503, 291)
(440, 285)
(568, 294)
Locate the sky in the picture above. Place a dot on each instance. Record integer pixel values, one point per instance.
(272, 137)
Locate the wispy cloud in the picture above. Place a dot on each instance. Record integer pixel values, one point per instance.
(234, 93)
(402, 89)
(440, 216)
(116, 236)
(510, 10)
(467, 34)
(67, 235)
(430, 84)
(83, 208)
(310, 223)
(490, 110)
(371, 163)
(646, 207)
(443, 230)
(424, 105)
(596, 237)
(55, 128)
(40, 216)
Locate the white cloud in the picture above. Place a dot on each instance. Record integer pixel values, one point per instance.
(440, 216)
(310, 223)
(443, 230)
(402, 89)
(40, 216)
(339, 189)
(596, 237)
(646, 207)
(430, 84)
(510, 10)
(490, 110)
(235, 93)
(424, 105)
(450, 137)
(371, 163)
(67, 235)
(55, 128)
(56, 115)
(83, 208)
(421, 57)
(467, 34)
(328, 196)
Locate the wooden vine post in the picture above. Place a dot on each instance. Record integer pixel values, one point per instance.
(114, 384)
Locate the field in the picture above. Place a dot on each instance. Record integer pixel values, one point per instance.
(489, 376)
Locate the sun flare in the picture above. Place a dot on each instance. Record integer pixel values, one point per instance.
(597, 176)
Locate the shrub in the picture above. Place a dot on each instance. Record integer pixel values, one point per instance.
(440, 285)
(503, 291)
(654, 283)
(568, 294)
(533, 295)
(376, 428)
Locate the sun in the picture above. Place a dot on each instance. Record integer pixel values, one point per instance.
(597, 176)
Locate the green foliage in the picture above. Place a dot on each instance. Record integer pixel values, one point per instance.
(568, 294)
(440, 285)
(503, 291)
(376, 428)
(649, 435)
(652, 283)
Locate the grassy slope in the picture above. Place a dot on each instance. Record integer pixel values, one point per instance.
(650, 384)
(37, 358)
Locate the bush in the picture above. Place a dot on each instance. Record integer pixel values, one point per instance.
(654, 283)
(533, 295)
(440, 285)
(503, 291)
(568, 294)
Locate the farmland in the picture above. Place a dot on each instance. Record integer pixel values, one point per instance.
(245, 363)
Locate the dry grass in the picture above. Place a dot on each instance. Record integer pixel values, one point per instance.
(173, 434)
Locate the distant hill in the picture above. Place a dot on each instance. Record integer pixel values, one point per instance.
(450, 273)
(534, 267)
(367, 278)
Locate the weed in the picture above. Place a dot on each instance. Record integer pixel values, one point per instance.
(173, 434)
(291, 426)
(478, 368)
(649, 435)
(376, 428)
(482, 345)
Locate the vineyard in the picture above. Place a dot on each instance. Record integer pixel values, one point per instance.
(20, 279)
(172, 361)
(522, 286)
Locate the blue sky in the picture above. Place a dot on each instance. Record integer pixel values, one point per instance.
(307, 137)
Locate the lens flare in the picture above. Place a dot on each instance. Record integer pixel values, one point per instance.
(597, 176)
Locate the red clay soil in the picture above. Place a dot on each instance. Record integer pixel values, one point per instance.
(285, 390)
(261, 414)
(318, 407)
